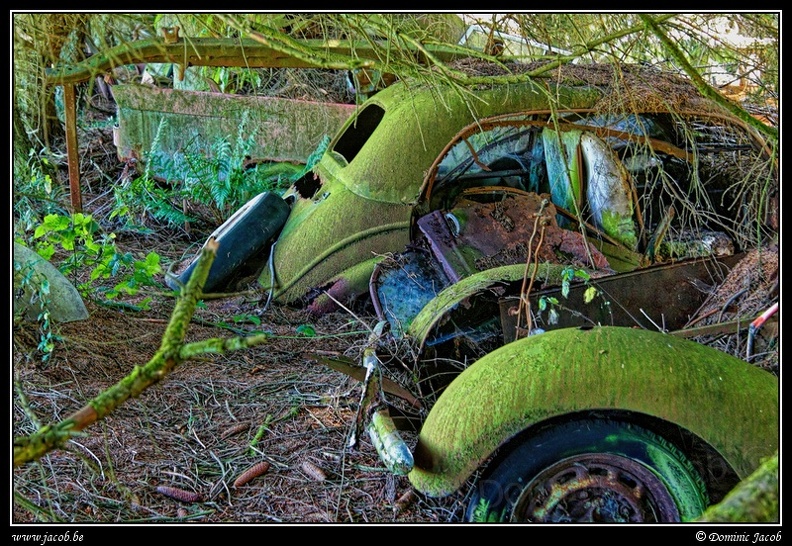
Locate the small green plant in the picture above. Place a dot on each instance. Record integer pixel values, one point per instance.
(140, 273)
(259, 434)
(238, 322)
(551, 304)
(37, 288)
(306, 330)
(35, 194)
(203, 183)
(138, 197)
(244, 318)
(87, 247)
(74, 234)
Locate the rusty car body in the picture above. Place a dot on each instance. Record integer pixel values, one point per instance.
(531, 243)
(535, 243)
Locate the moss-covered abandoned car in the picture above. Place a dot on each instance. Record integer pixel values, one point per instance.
(535, 242)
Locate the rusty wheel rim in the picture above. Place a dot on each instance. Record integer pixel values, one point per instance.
(596, 488)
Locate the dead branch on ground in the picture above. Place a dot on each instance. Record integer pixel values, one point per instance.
(172, 352)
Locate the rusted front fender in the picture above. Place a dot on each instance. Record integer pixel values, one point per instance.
(725, 401)
(448, 299)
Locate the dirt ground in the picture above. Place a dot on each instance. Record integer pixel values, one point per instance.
(173, 454)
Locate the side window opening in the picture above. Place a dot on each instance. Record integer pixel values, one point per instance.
(357, 133)
(308, 185)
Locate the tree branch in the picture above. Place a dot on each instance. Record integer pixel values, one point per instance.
(754, 500)
(701, 85)
(171, 353)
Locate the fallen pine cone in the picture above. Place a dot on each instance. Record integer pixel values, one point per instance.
(314, 471)
(252, 472)
(179, 494)
(403, 502)
(235, 430)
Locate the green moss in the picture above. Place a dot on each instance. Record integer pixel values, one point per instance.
(449, 298)
(324, 238)
(710, 393)
(621, 227)
(756, 499)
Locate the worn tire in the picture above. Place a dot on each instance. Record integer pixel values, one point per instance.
(590, 470)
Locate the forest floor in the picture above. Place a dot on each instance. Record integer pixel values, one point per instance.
(173, 454)
(207, 422)
(212, 418)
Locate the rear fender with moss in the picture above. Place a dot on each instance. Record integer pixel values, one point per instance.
(330, 234)
(726, 402)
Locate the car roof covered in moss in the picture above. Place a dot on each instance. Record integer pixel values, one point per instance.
(384, 150)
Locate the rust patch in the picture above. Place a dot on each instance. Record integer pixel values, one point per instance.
(478, 236)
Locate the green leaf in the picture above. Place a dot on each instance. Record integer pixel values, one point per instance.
(152, 264)
(96, 273)
(253, 319)
(56, 222)
(40, 230)
(46, 251)
(582, 274)
(92, 246)
(307, 330)
(590, 293)
(68, 241)
(545, 300)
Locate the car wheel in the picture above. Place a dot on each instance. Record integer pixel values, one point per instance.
(593, 470)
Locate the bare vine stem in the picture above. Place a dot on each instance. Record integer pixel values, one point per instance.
(530, 275)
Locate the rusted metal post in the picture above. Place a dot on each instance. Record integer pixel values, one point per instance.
(70, 105)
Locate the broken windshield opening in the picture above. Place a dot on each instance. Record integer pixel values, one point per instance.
(480, 155)
(633, 177)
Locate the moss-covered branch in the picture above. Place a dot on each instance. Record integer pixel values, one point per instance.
(544, 71)
(589, 47)
(701, 85)
(171, 353)
(220, 346)
(259, 50)
(756, 499)
(316, 56)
